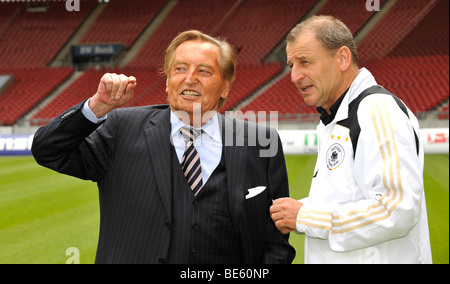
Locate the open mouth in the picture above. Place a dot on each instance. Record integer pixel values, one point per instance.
(304, 89)
(192, 94)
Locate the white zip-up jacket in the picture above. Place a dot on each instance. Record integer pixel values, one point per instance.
(367, 205)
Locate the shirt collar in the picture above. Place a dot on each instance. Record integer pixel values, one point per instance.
(211, 128)
(328, 118)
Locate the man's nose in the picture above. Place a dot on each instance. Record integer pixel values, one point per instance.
(191, 77)
(296, 75)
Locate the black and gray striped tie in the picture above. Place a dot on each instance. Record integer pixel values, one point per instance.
(190, 163)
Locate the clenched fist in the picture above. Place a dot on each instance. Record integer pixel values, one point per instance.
(113, 91)
(284, 214)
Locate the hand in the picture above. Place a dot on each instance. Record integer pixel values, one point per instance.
(113, 91)
(284, 213)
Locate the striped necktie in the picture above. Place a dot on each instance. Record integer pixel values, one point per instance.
(190, 163)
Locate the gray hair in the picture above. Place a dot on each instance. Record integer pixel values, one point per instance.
(329, 31)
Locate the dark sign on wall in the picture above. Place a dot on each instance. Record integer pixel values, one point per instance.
(96, 52)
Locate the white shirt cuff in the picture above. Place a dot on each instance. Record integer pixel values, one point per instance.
(87, 112)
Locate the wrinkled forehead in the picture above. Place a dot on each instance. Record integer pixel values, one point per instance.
(304, 45)
(197, 52)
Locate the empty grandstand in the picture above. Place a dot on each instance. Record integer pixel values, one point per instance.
(405, 45)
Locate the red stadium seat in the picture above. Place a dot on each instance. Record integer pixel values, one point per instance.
(30, 86)
(134, 17)
(407, 50)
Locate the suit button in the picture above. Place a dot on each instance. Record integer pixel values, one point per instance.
(195, 203)
(193, 249)
(195, 226)
(167, 225)
(161, 261)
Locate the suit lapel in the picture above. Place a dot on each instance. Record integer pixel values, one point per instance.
(157, 135)
(235, 156)
(159, 146)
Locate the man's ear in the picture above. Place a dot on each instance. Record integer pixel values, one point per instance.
(345, 58)
(224, 94)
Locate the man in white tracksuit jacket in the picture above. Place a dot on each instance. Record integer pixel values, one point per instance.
(366, 202)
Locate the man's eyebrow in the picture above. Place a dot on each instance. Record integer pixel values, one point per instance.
(298, 58)
(180, 62)
(205, 65)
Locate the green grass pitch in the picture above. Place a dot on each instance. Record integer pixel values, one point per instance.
(43, 213)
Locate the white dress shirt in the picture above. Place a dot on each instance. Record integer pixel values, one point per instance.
(208, 144)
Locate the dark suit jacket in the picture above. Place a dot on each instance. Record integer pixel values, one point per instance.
(129, 156)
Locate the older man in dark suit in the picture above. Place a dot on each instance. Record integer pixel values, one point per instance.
(178, 183)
